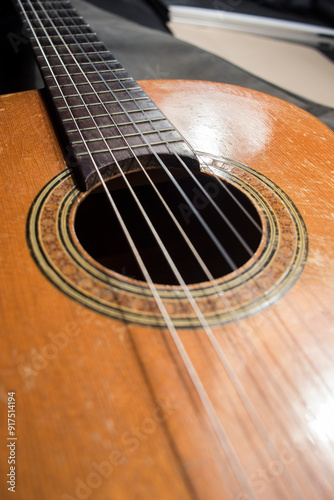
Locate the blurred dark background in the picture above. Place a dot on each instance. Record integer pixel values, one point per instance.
(136, 32)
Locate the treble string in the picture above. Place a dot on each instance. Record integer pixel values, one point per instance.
(251, 410)
(233, 197)
(215, 421)
(218, 245)
(72, 56)
(223, 185)
(117, 165)
(277, 388)
(222, 297)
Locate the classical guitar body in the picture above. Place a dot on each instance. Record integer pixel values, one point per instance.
(105, 407)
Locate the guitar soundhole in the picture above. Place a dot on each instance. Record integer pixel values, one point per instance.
(101, 235)
(61, 212)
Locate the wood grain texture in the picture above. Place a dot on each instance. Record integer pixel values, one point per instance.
(106, 410)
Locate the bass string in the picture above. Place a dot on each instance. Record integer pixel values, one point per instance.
(275, 385)
(159, 241)
(190, 147)
(277, 388)
(188, 296)
(228, 258)
(322, 383)
(221, 357)
(146, 273)
(236, 201)
(222, 215)
(194, 251)
(210, 411)
(203, 265)
(213, 341)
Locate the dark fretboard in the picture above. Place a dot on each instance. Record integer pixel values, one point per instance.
(107, 118)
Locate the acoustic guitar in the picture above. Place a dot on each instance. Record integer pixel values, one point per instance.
(167, 284)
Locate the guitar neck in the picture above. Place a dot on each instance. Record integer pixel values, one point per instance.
(107, 119)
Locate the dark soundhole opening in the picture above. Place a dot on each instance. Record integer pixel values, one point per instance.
(101, 235)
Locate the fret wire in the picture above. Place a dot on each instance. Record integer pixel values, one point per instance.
(53, 3)
(67, 17)
(81, 43)
(45, 16)
(46, 28)
(111, 61)
(103, 61)
(123, 124)
(103, 115)
(77, 106)
(48, 11)
(62, 75)
(142, 110)
(134, 134)
(77, 74)
(73, 35)
(84, 63)
(73, 64)
(96, 71)
(77, 26)
(79, 54)
(136, 146)
(32, 3)
(95, 83)
(103, 92)
(90, 73)
(116, 70)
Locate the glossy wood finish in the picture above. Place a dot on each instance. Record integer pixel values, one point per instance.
(106, 410)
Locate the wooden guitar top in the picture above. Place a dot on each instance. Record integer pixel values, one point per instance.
(105, 409)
